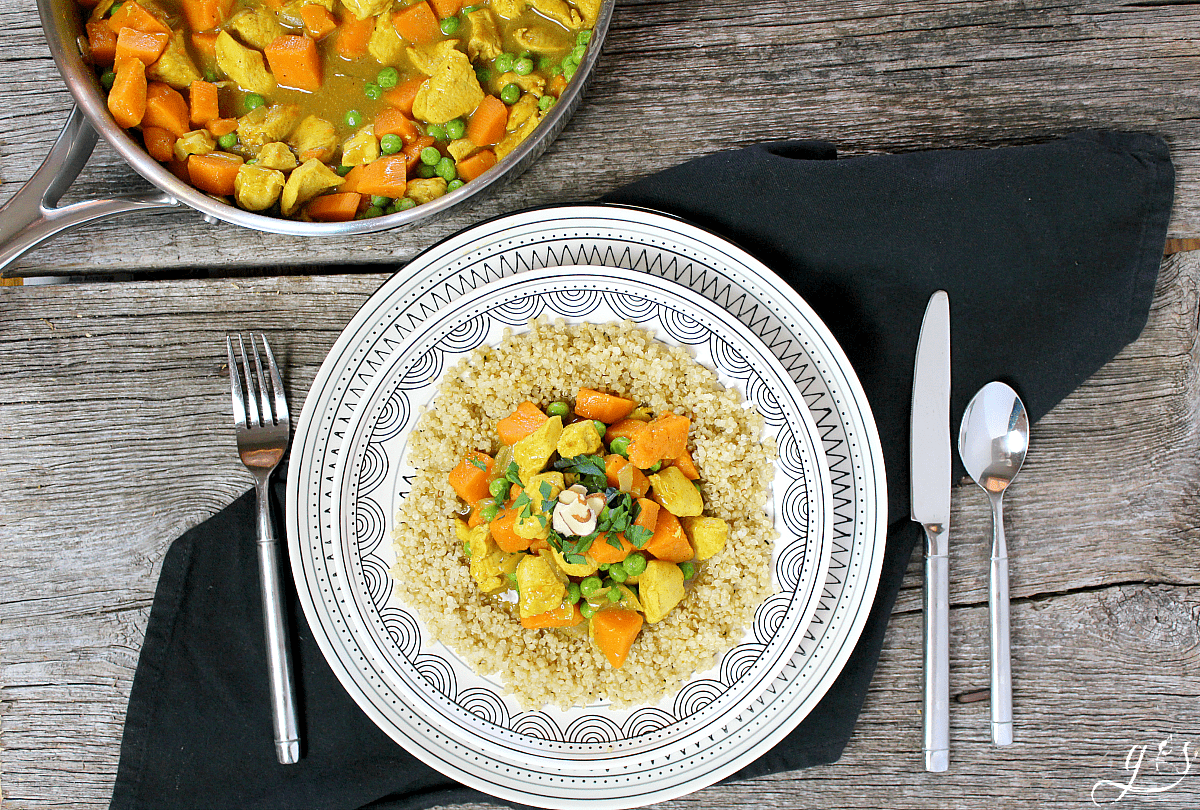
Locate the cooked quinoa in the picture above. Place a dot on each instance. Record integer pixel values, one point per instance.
(551, 362)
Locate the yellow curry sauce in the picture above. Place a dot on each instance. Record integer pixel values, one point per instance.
(330, 110)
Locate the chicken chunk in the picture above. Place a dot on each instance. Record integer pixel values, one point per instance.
(256, 188)
(589, 10)
(543, 489)
(484, 42)
(175, 67)
(671, 489)
(532, 452)
(508, 9)
(262, 125)
(529, 83)
(245, 66)
(540, 588)
(314, 137)
(578, 439)
(421, 190)
(542, 39)
(513, 139)
(519, 113)
(197, 142)
(367, 8)
(258, 27)
(583, 569)
(560, 12)
(452, 90)
(661, 589)
(307, 181)
(385, 45)
(427, 58)
(361, 148)
(460, 148)
(486, 558)
(707, 535)
(276, 155)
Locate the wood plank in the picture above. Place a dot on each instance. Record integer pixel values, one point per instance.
(868, 76)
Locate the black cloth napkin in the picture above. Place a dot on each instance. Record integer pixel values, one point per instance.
(1049, 254)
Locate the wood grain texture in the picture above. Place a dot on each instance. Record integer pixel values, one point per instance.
(115, 437)
(679, 79)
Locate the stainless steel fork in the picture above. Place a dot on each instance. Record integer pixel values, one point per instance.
(262, 437)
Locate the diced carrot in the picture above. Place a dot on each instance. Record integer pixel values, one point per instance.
(647, 514)
(402, 95)
(613, 463)
(205, 44)
(352, 37)
(556, 85)
(614, 630)
(476, 516)
(664, 438)
(561, 616)
(143, 45)
(204, 105)
(385, 177)
(295, 62)
(318, 21)
(393, 121)
(520, 423)
(537, 544)
(179, 169)
(214, 172)
(204, 15)
(166, 108)
(686, 465)
(417, 23)
(221, 126)
(412, 150)
(475, 165)
(102, 43)
(669, 541)
(626, 427)
(132, 14)
(603, 552)
(605, 407)
(471, 477)
(503, 530)
(340, 207)
(159, 143)
(486, 127)
(446, 8)
(127, 98)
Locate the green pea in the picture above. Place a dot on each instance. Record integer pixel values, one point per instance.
(600, 427)
(449, 25)
(569, 71)
(466, 548)
(587, 610)
(620, 446)
(589, 585)
(634, 565)
(211, 76)
(455, 129)
(107, 78)
(343, 170)
(454, 185)
(391, 143)
(113, 9)
(353, 119)
(615, 596)
(387, 78)
(253, 101)
(523, 67)
(372, 212)
(425, 171)
(436, 131)
(573, 593)
(228, 140)
(544, 63)
(602, 567)
(483, 74)
(688, 569)
(558, 409)
(504, 62)
(372, 91)
(404, 204)
(655, 467)
(489, 512)
(618, 573)
(583, 37)
(577, 53)
(380, 201)
(569, 61)
(499, 488)
(446, 170)
(510, 93)
(554, 71)
(546, 102)
(430, 155)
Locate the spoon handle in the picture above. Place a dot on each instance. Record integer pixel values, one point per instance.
(1001, 693)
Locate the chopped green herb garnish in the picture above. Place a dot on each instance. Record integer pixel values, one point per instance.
(477, 463)
(639, 536)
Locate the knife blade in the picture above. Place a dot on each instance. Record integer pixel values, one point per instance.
(929, 482)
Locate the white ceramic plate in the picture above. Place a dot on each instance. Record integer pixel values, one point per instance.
(346, 412)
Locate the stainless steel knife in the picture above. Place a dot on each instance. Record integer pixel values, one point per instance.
(929, 476)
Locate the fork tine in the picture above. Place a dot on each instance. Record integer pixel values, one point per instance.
(281, 408)
(263, 394)
(235, 382)
(251, 402)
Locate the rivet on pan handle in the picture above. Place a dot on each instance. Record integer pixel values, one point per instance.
(32, 215)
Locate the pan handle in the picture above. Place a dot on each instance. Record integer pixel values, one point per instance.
(32, 215)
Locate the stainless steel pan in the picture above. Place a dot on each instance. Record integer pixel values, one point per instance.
(32, 215)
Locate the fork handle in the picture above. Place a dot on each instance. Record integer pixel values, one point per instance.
(279, 663)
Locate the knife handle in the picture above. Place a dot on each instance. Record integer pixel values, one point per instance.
(1001, 692)
(937, 652)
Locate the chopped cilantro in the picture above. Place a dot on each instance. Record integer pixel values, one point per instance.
(545, 489)
(638, 535)
(588, 469)
(512, 473)
(474, 462)
(523, 505)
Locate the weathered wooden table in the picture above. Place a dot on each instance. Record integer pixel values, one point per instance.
(115, 434)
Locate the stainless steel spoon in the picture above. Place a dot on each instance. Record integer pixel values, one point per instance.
(992, 443)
